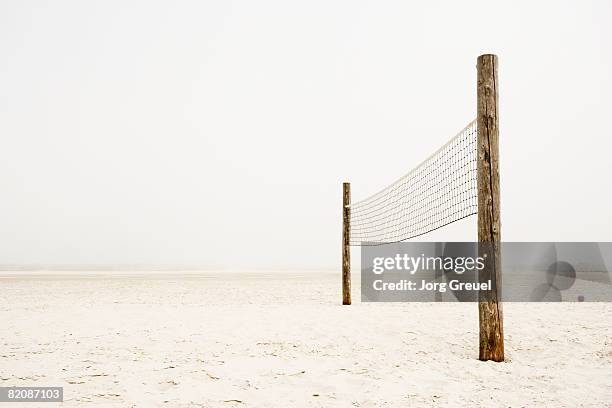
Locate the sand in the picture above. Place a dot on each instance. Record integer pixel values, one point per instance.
(283, 340)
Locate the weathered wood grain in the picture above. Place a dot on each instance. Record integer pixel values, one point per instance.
(489, 228)
(346, 249)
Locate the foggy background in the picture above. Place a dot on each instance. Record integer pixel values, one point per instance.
(217, 134)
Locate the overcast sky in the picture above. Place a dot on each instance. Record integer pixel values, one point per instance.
(217, 133)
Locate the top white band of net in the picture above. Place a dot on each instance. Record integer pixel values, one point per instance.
(440, 191)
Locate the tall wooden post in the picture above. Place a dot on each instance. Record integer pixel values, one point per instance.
(346, 249)
(490, 316)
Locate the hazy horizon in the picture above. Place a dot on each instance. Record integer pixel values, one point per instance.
(218, 134)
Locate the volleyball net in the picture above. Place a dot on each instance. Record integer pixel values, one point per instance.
(459, 180)
(441, 190)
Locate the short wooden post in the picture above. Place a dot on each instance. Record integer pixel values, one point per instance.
(346, 249)
(490, 316)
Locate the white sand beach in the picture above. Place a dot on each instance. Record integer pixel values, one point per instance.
(283, 340)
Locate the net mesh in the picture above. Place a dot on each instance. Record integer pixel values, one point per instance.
(440, 191)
